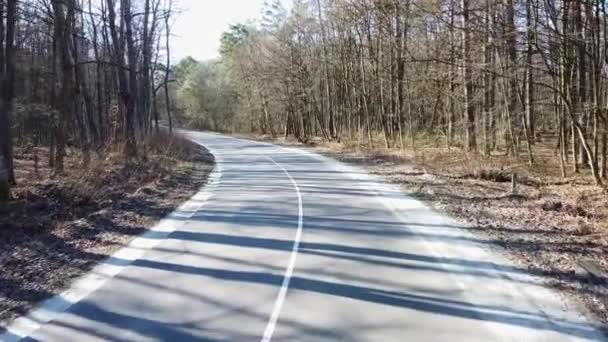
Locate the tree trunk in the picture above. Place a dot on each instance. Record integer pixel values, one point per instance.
(327, 89)
(144, 96)
(5, 189)
(168, 70)
(488, 95)
(511, 41)
(99, 108)
(529, 96)
(452, 74)
(7, 80)
(65, 104)
(467, 77)
(131, 104)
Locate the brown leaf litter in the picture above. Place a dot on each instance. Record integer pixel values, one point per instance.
(59, 227)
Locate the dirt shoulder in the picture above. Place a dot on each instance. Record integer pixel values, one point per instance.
(58, 228)
(552, 226)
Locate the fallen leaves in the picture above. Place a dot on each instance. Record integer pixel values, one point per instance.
(59, 227)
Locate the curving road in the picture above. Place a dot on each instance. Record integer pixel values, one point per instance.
(285, 245)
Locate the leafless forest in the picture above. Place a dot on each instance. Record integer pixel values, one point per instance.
(80, 74)
(522, 79)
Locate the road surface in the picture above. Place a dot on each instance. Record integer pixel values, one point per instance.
(285, 245)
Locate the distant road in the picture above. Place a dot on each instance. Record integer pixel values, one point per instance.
(290, 246)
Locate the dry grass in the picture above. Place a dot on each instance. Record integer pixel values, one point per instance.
(58, 227)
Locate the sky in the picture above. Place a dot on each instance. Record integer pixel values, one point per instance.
(199, 26)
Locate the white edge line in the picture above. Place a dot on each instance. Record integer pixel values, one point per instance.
(351, 169)
(278, 305)
(51, 308)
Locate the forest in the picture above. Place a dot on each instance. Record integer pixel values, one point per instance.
(82, 74)
(519, 79)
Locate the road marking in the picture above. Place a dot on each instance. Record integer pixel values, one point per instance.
(278, 305)
(354, 173)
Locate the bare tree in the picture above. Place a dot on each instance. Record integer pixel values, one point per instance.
(7, 80)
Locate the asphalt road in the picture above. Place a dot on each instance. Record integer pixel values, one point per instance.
(285, 245)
